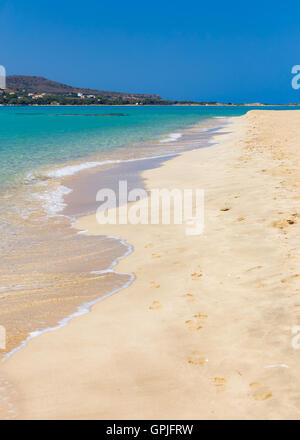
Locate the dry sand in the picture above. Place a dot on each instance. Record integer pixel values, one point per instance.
(205, 331)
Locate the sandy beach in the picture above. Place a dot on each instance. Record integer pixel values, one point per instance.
(205, 330)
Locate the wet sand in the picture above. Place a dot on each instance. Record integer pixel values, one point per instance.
(47, 269)
(205, 331)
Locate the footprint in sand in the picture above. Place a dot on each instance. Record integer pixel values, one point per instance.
(196, 275)
(197, 358)
(156, 305)
(200, 316)
(227, 208)
(260, 392)
(154, 285)
(291, 278)
(240, 219)
(220, 383)
(197, 322)
(155, 256)
(190, 297)
(284, 223)
(193, 324)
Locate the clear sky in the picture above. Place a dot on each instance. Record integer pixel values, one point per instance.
(213, 50)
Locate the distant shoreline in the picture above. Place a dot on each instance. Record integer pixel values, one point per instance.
(28, 90)
(150, 105)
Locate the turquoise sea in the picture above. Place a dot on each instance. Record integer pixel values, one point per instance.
(35, 137)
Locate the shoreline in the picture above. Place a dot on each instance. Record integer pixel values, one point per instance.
(65, 181)
(152, 105)
(188, 338)
(107, 156)
(58, 303)
(85, 307)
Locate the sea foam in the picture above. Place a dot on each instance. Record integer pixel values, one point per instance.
(171, 138)
(69, 170)
(53, 200)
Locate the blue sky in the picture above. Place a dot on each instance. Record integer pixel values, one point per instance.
(226, 51)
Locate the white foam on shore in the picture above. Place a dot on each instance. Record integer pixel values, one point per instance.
(53, 200)
(69, 170)
(30, 178)
(171, 138)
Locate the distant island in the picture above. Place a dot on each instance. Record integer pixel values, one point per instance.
(37, 90)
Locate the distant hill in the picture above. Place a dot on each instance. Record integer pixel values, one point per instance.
(38, 84)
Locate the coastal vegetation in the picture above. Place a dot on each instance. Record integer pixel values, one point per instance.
(23, 98)
(36, 90)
